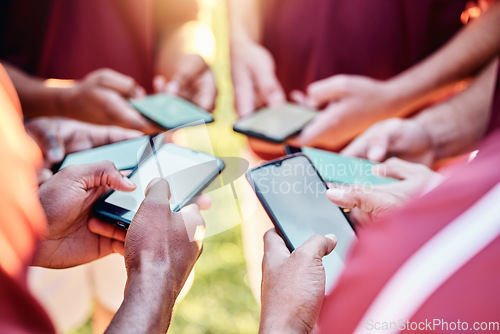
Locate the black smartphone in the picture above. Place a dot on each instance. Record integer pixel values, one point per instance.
(294, 196)
(126, 155)
(187, 171)
(171, 112)
(275, 124)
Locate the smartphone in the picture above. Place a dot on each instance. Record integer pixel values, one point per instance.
(125, 155)
(275, 124)
(170, 112)
(336, 168)
(294, 196)
(187, 171)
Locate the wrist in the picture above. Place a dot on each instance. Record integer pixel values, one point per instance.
(285, 322)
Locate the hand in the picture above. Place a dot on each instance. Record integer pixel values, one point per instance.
(59, 136)
(254, 79)
(193, 81)
(293, 285)
(101, 98)
(370, 203)
(161, 248)
(395, 137)
(353, 103)
(67, 199)
(159, 239)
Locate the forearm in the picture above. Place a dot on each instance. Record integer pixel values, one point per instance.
(245, 20)
(467, 53)
(148, 304)
(38, 97)
(458, 124)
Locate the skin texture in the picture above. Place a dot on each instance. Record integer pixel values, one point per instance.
(67, 200)
(370, 203)
(441, 131)
(252, 66)
(161, 248)
(293, 285)
(57, 136)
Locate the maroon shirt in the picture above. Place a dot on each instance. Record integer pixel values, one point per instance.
(471, 294)
(315, 39)
(68, 39)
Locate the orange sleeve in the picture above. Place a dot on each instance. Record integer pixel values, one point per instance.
(22, 219)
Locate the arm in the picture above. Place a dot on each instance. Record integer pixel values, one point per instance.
(353, 103)
(467, 53)
(458, 124)
(180, 70)
(444, 130)
(100, 98)
(252, 66)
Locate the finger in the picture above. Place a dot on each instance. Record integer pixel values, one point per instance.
(118, 247)
(275, 249)
(189, 68)
(358, 147)
(123, 114)
(195, 225)
(204, 202)
(397, 168)
(378, 147)
(158, 191)
(106, 230)
(104, 135)
(328, 120)
(206, 91)
(244, 92)
(328, 90)
(120, 83)
(159, 84)
(267, 84)
(318, 246)
(105, 174)
(342, 198)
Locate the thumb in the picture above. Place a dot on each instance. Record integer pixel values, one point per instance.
(158, 191)
(189, 68)
(318, 246)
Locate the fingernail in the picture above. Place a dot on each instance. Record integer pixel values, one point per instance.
(173, 87)
(276, 98)
(335, 192)
(139, 93)
(128, 182)
(332, 237)
(56, 154)
(376, 153)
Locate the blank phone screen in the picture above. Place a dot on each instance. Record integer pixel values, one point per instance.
(186, 171)
(296, 198)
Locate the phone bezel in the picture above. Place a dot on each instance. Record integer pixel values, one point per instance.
(115, 214)
(259, 135)
(266, 206)
(168, 127)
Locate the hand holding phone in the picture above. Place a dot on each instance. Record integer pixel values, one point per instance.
(187, 171)
(275, 124)
(294, 196)
(170, 112)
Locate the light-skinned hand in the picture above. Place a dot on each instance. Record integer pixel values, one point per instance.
(254, 78)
